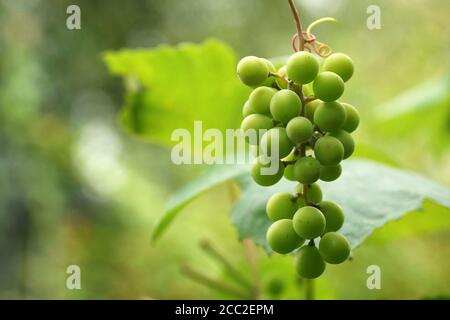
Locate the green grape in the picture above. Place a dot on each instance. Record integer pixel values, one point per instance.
(246, 110)
(299, 129)
(281, 205)
(329, 116)
(314, 194)
(334, 215)
(309, 263)
(255, 122)
(329, 151)
(330, 173)
(340, 64)
(266, 178)
(270, 80)
(276, 138)
(334, 248)
(310, 109)
(328, 86)
(281, 82)
(289, 172)
(352, 118)
(252, 71)
(285, 105)
(259, 100)
(309, 222)
(307, 170)
(347, 141)
(302, 67)
(282, 238)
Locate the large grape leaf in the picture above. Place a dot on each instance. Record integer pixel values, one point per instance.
(171, 87)
(371, 194)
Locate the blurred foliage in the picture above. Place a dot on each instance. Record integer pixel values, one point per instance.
(76, 189)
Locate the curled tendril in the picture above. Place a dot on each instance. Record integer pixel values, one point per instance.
(311, 42)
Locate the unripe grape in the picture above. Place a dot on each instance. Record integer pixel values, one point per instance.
(275, 170)
(352, 118)
(329, 116)
(310, 109)
(309, 263)
(347, 141)
(273, 139)
(285, 105)
(314, 194)
(309, 222)
(282, 238)
(330, 173)
(299, 129)
(329, 151)
(302, 67)
(328, 86)
(281, 82)
(259, 99)
(252, 71)
(255, 122)
(246, 110)
(334, 215)
(340, 64)
(270, 80)
(281, 205)
(307, 170)
(334, 248)
(289, 172)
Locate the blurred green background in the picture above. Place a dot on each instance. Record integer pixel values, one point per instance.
(75, 188)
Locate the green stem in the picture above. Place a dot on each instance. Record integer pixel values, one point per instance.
(309, 289)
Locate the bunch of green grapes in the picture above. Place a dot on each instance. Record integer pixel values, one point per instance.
(296, 107)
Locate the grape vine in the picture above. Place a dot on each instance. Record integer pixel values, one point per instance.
(304, 132)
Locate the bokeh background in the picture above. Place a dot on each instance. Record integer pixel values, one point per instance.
(75, 188)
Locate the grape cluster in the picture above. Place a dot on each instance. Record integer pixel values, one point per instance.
(295, 107)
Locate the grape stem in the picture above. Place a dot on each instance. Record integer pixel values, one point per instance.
(298, 25)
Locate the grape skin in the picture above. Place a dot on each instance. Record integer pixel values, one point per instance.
(302, 67)
(281, 205)
(264, 179)
(347, 142)
(328, 86)
(329, 151)
(309, 263)
(285, 105)
(330, 173)
(329, 116)
(299, 129)
(352, 118)
(252, 71)
(309, 222)
(334, 215)
(334, 248)
(307, 170)
(340, 64)
(282, 238)
(259, 99)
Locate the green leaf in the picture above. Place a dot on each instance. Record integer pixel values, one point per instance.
(212, 177)
(371, 194)
(171, 87)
